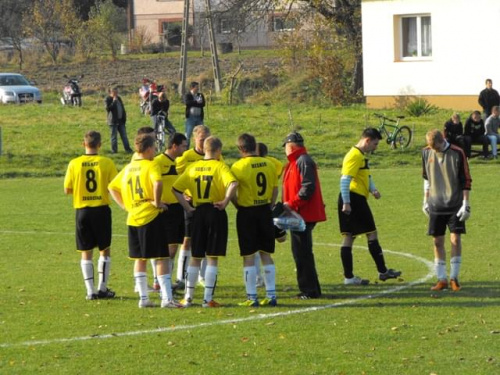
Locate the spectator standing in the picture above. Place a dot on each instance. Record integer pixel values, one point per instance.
(256, 194)
(161, 105)
(194, 101)
(117, 119)
(87, 179)
(447, 183)
(302, 193)
(355, 216)
(474, 129)
(488, 98)
(491, 129)
(454, 134)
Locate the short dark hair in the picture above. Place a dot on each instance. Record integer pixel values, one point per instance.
(92, 139)
(262, 149)
(145, 130)
(488, 80)
(144, 141)
(194, 84)
(175, 139)
(246, 143)
(371, 133)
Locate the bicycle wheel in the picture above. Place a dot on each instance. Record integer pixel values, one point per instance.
(402, 138)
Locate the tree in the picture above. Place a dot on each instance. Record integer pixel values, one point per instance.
(106, 24)
(11, 30)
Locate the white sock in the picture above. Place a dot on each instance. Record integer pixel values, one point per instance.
(250, 278)
(270, 280)
(203, 269)
(88, 275)
(165, 287)
(210, 281)
(191, 277)
(182, 263)
(103, 267)
(141, 283)
(440, 267)
(257, 264)
(153, 267)
(455, 263)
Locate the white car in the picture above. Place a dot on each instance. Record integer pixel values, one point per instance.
(15, 88)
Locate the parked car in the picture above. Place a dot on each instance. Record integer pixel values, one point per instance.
(15, 88)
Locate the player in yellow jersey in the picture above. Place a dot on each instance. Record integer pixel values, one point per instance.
(200, 132)
(138, 189)
(256, 194)
(87, 178)
(355, 216)
(174, 214)
(212, 186)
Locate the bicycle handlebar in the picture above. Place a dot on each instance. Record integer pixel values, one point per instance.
(387, 118)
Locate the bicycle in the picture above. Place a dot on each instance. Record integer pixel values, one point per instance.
(399, 136)
(163, 127)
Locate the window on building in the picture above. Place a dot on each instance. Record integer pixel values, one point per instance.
(225, 26)
(281, 23)
(172, 32)
(416, 36)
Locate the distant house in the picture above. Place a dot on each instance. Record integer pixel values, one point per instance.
(162, 20)
(441, 50)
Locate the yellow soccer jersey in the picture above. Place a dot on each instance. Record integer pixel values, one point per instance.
(88, 176)
(135, 182)
(277, 164)
(168, 176)
(256, 180)
(188, 158)
(207, 180)
(355, 164)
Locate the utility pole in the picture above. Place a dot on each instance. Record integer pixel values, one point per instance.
(213, 48)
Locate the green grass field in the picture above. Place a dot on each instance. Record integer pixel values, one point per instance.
(401, 327)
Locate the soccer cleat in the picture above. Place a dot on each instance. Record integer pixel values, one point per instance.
(156, 287)
(455, 286)
(179, 285)
(260, 282)
(356, 280)
(389, 274)
(441, 284)
(186, 302)
(143, 303)
(171, 304)
(201, 282)
(269, 301)
(91, 297)
(211, 304)
(108, 293)
(249, 303)
(306, 296)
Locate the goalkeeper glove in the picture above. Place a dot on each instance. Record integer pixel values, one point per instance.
(464, 213)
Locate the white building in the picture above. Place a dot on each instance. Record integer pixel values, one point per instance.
(441, 50)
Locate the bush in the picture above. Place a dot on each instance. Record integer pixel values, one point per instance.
(419, 107)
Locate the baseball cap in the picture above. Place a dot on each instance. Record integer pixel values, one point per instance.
(293, 138)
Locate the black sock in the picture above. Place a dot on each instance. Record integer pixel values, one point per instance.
(346, 256)
(377, 255)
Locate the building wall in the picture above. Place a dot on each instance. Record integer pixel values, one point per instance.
(464, 51)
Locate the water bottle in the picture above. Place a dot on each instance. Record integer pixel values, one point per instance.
(290, 223)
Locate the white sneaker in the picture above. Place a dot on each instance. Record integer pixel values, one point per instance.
(143, 303)
(171, 304)
(356, 280)
(186, 302)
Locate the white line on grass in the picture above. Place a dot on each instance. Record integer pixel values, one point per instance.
(429, 265)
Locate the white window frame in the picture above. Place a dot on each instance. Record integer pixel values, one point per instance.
(287, 24)
(225, 26)
(418, 55)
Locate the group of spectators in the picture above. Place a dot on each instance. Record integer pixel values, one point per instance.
(478, 130)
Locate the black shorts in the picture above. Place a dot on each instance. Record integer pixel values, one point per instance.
(173, 223)
(360, 220)
(93, 228)
(210, 232)
(148, 241)
(438, 224)
(255, 230)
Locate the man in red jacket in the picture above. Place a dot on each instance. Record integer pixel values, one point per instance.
(302, 193)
